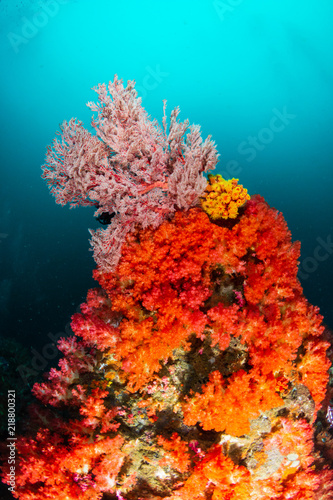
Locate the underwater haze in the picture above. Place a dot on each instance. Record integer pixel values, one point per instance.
(257, 75)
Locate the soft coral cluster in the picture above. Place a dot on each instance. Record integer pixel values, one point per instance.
(197, 369)
(66, 465)
(231, 408)
(191, 369)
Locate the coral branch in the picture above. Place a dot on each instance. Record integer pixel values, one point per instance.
(132, 167)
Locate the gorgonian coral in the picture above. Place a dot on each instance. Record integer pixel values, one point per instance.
(196, 370)
(132, 168)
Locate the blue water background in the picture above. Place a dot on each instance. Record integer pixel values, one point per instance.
(256, 75)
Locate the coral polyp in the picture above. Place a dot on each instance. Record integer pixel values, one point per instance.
(222, 198)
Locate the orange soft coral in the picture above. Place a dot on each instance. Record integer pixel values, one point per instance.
(199, 374)
(216, 477)
(232, 408)
(176, 452)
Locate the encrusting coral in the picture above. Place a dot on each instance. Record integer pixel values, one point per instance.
(197, 368)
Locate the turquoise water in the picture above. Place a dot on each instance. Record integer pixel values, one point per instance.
(256, 75)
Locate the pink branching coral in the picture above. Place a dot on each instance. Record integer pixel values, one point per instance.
(134, 169)
(197, 369)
